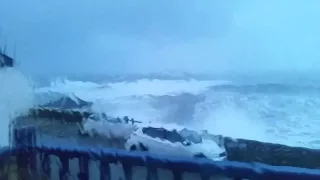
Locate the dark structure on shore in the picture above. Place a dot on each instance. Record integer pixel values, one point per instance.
(5, 60)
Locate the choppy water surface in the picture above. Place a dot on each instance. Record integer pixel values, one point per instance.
(272, 112)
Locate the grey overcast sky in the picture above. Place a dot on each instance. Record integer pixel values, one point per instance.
(122, 36)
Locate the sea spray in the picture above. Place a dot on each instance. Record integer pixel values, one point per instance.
(16, 98)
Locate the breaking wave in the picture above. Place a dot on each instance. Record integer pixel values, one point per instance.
(271, 112)
(16, 98)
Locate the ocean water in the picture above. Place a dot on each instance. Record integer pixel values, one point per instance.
(271, 112)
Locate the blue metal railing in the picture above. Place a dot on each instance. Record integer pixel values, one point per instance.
(65, 162)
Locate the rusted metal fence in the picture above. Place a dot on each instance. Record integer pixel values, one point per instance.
(63, 162)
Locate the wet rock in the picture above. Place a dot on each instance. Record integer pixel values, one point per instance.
(273, 154)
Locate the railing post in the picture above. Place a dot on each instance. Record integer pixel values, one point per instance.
(5, 162)
(127, 168)
(64, 169)
(23, 140)
(45, 163)
(152, 173)
(105, 173)
(83, 167)
(23, 137)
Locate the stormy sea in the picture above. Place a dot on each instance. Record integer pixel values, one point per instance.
(283, 112)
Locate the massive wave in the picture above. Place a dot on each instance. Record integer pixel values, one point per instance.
(16, 98)
(274, 112)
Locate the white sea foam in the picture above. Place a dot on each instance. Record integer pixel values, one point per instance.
(16, 97)
(110, 130)
(284, 116)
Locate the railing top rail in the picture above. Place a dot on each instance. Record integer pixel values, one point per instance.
(25, 143)
(231, 169)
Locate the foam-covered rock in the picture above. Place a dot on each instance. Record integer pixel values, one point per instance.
(273, 154)
(68, 102)
(241, 150)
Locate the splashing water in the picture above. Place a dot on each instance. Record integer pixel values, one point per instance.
(16, 97)
(285, 113)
